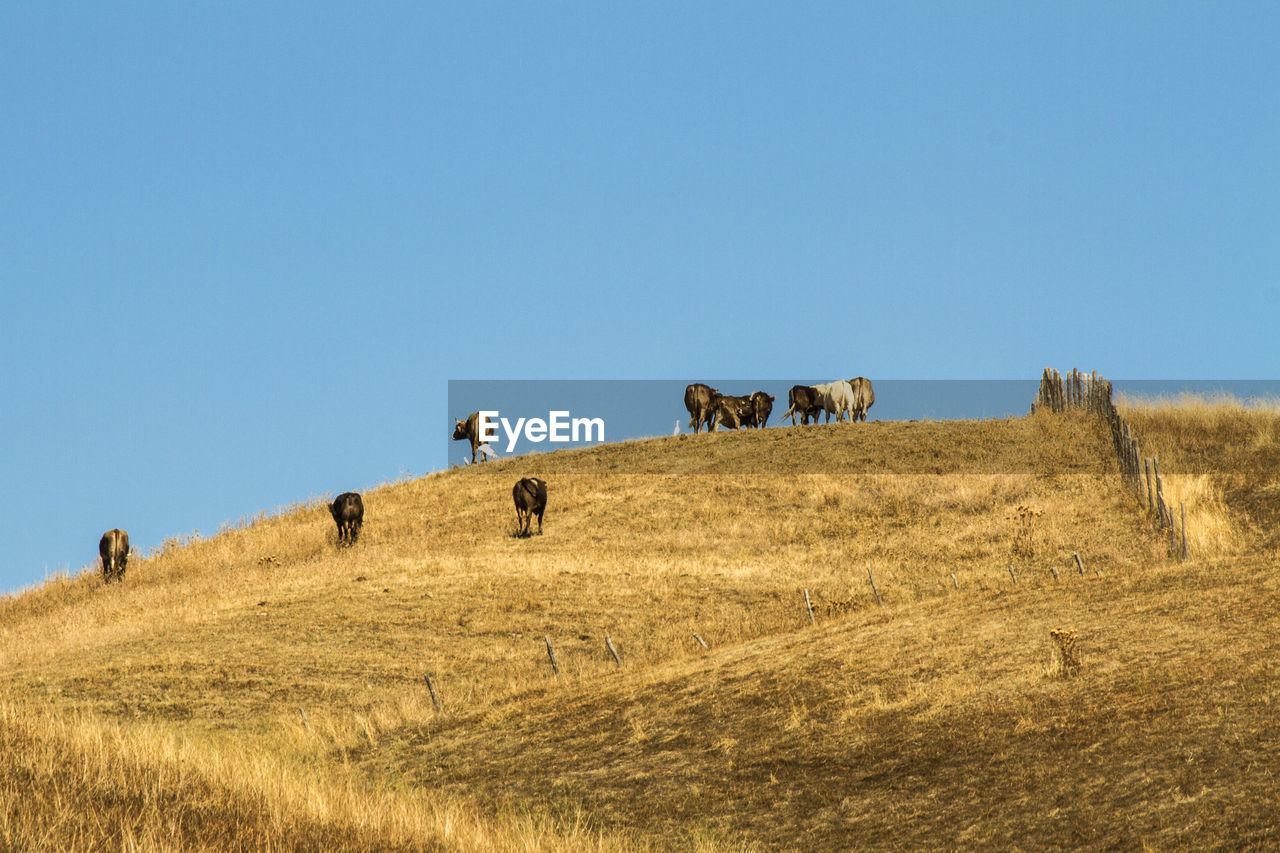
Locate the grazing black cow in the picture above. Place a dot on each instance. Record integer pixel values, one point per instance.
(762, 403)
(733, 413)
(805, 402)
(470, 430)
(348, 513)
(530, 495)
(701, 401)
(113, 547)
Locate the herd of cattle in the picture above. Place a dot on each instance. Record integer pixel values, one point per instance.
(347, 509)
(706, 405)
(843, 397)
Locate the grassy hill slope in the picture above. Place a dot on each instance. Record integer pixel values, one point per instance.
(264, 689)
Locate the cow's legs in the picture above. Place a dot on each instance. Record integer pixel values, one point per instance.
(539, 523)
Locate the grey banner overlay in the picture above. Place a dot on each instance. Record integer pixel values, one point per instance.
(647, 408)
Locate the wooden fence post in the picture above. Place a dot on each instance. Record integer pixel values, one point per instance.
(608, 642)
(1160, 506)
(303, 714)
(873, 587)
(1079, 563)
(701, 641)
(809, 606)
(953, 581)
(551, 653)
(1012, 575)
(1184, 530)
(1137, 469)
(431, 688)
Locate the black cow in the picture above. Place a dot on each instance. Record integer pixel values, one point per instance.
(805, 402)
(530, 495)
(113, 547)
(348, 513)
(470, 430)
(701, 402)
(762, 404)
(733, 413)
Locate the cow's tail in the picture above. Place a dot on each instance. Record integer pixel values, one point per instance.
(791, 412)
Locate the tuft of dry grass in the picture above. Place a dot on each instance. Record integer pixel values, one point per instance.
(1064, 662)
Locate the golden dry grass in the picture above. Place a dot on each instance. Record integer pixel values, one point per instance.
(1221, 455)
(928, 722)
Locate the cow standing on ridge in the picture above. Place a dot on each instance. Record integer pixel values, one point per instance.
(837, 399)
(347, 510)
(863, 397)
(470, 430)
(530, 496)
(733, 413)
(803, 402)
(762, 404)
(113, 547)
(701, 401)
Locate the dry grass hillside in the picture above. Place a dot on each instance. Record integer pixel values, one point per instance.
(1218, 449)
(264, 689)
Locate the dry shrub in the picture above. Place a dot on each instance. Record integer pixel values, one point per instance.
(1024, 531)
(1064, 662)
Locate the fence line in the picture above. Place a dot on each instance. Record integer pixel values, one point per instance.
(1091, 393)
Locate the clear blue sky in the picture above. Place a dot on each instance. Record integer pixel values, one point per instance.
(243, 246)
